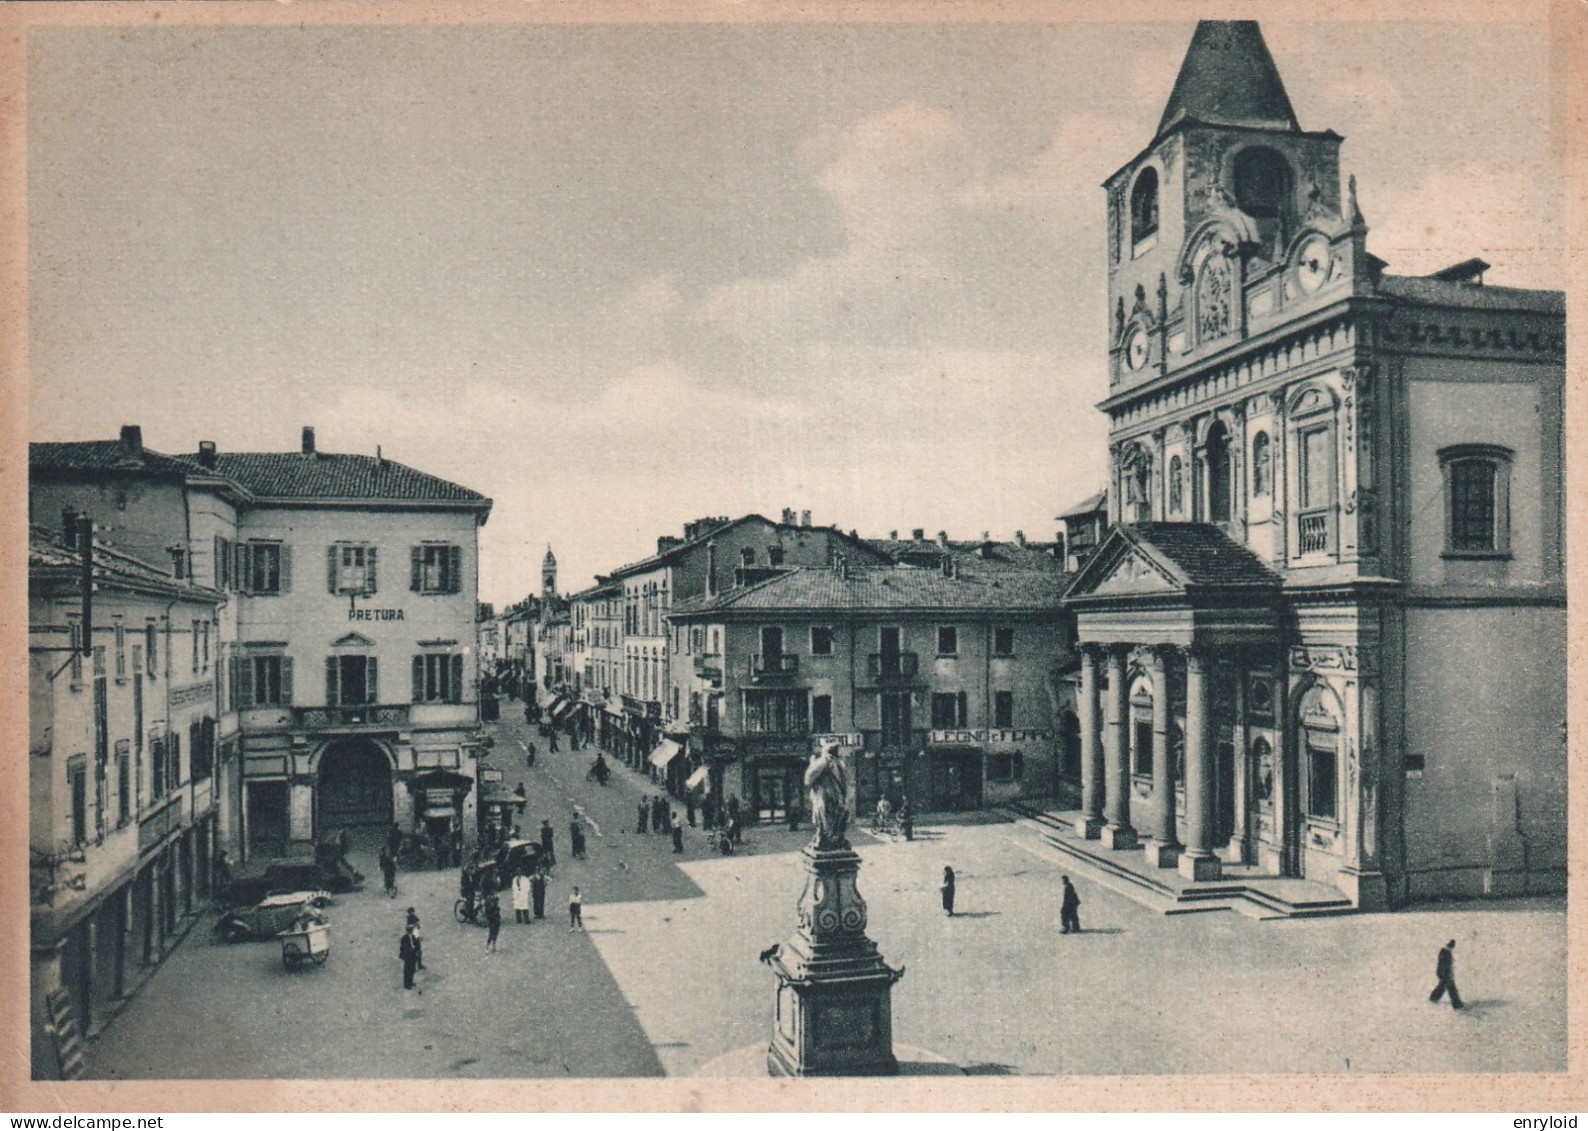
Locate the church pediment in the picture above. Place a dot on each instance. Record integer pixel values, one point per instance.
(1133, 573)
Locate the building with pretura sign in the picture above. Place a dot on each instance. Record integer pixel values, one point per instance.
(1327, 638)
(345, 649)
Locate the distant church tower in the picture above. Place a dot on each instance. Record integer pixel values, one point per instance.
(548, 578)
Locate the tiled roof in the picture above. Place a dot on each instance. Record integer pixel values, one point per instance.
(883, 589)
(1467, 296)
(103, 455)
(984, 556)
(1202, 553)
(1089, 505)
(46, 555)
(672, 552)
(325, 475)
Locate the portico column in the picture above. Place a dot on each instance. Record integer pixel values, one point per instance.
(1118, 833)
(1090, 823)
(1164, 849)
(1198, 861)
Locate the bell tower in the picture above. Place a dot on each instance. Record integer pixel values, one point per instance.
(1204, 222)
(548, 578)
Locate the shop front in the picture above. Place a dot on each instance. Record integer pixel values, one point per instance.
(438, 799)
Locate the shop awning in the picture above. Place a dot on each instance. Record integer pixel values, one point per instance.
(699, 780)
(666, 750)
(440, 811)
(559, 708)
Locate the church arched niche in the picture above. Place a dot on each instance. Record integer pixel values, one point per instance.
(1264, 189)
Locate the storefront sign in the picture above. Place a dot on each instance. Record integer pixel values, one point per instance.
(375, 614)
(820, 740)
(193, 693)
(487, 774)
(985, 737)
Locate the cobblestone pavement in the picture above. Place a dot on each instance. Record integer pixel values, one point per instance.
(665, 979)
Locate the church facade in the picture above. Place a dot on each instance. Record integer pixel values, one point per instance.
(1326, 636)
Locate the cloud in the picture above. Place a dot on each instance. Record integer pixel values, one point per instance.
(1509, 217)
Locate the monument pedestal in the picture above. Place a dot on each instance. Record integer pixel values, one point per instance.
(834, 1013)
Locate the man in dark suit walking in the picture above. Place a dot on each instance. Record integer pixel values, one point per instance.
(1445, 970)
(1069, 909)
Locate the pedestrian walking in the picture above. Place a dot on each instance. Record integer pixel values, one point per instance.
(642, 816)
(521, 897)
(709, 811)
(1069, 909)
(575, 911)
(493, 922)
(408, 951)
(576, 837)
(1445, 971)
(678, 835)
(537, 893)
(736, 829)
(948, 889)
(548, 839)
(529, 756)
(689, 807)
(552, 738)
(394, 840)
(411, 925)
(388, 873)
(455, 855)
(659, 813)
(793, 816)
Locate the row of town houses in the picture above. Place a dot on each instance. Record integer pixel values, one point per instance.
(942, 669)
(230, 652)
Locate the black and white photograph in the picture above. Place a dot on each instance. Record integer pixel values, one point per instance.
(576, 551)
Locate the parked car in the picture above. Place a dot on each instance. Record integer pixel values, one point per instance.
(298, 875)
(273, 914)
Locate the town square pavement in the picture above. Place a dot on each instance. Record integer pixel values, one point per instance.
(665, 978)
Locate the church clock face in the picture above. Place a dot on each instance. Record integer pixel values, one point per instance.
(1136, 349)
(1312, 264)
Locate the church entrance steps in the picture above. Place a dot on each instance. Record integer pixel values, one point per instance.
(1242, 888)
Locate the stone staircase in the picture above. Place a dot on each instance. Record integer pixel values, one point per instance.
(1241, 889)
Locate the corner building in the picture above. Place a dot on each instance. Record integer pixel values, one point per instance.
(1327, 636)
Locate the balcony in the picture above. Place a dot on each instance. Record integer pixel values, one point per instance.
(773, 669)
(1312, 532)
(888, 669)
(367, 716)
(159, 823)
(646, 708)
(709, 667)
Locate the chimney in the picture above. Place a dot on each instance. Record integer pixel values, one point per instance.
(893, 536)
(805, 518)
(942, 538)
(1020, 539)
(918, 534)
(841, 566)
(788, 516)
(948, 566)
(711, 568)
(1058, 545)
(132, 438)
(308, 440)
(206, 455)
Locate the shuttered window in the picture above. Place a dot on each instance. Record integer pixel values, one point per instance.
(436, 567)
(438, 678)
(351, 568)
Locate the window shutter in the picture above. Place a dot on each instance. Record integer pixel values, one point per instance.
(240, 566)
(242, 682)
(372, 680)
(419, 679)
(454, 569)
(174, 752)
(416, 569)
(219, 562)
(286, 568)
(286, 681)
(369, 573)
(331, 562)
(457, 678)
(332, 695)
(961, 714)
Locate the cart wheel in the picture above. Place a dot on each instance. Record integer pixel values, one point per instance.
(461, 910)
(319, 959)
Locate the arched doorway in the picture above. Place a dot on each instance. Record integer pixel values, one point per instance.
(354, 792)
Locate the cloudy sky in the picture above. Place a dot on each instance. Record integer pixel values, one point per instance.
(621, 277)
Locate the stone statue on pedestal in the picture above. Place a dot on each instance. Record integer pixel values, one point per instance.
(828, 785)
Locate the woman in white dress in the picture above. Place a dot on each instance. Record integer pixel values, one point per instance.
(521, 897)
